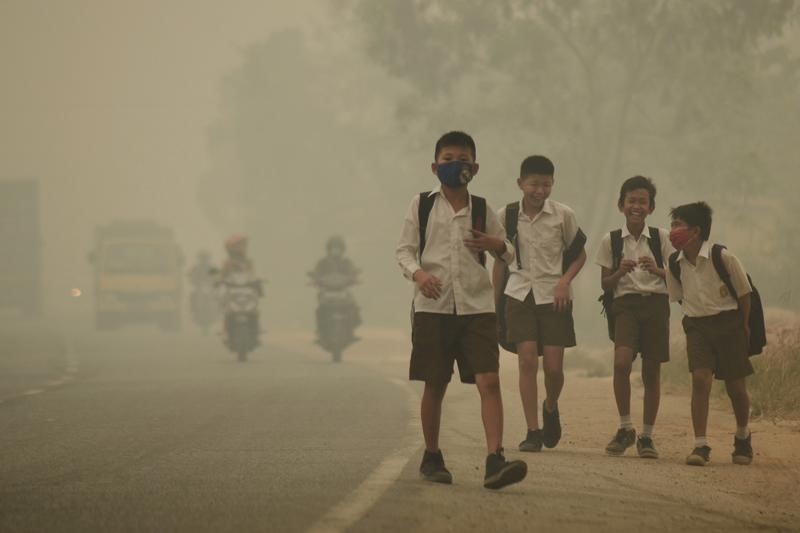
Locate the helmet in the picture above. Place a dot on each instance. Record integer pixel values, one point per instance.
(335, 242)
(236, 243)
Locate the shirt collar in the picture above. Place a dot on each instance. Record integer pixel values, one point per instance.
(438, 190)
(546, 208)
(626, 232)
(705, 252)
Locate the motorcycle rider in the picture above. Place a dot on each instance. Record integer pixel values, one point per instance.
(237, 270)
(335, 273)
(204, 300)
(201, 274)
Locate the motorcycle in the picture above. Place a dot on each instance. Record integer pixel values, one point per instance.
(205, 306)
(240, 302)
(337, 317)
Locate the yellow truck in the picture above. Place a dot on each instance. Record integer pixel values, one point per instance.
(137, 275)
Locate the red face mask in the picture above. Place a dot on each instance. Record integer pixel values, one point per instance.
(679, 237)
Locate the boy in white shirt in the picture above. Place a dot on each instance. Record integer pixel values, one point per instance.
(632, 261)
(538, 303)
(442, 249)
(716, 326)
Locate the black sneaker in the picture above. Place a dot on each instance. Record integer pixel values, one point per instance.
(500, 472)
(742, 451)
(533, 442)
(551, 428)
(432, 468)
(623, 440)
(700, 456)
(645, 448)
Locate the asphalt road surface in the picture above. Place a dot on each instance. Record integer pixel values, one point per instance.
(165, 433)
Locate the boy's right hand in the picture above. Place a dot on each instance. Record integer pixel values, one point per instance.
(428, 285)
(626, 266)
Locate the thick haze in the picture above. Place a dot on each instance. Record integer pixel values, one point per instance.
(290, 123)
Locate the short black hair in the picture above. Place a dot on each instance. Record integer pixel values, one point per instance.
(455, 138)
(638, 182)
(536, 164)
(697, 214)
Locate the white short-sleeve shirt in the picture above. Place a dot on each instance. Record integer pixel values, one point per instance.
(542, 241)
(700, 290)
(637, 281)
(466, 284)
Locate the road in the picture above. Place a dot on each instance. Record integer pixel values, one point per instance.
(171, 434)
(168, 433)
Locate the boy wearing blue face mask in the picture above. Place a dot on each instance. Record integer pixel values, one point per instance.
(445, 236)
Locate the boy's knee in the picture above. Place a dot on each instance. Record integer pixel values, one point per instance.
(651, 373)
(736, 388)
(553, 370)
(528, 362)
(622, 367)
(488, 382)
(701, 381)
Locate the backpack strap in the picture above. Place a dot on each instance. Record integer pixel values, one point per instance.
(426, 200)
(616, 249)
(571, 254)
(479, 221)
(674, 266)
(512, 223)
(655, 246)
(722, 271)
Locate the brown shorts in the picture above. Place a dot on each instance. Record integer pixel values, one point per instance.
(641, 322)
(718, 342)
(527, 321)
(438, 340)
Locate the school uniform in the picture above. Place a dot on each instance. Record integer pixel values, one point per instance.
(541, 240)
(641, 303)
(715, 332)
(460, 325)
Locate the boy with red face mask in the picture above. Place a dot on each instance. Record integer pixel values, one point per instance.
(715, 324)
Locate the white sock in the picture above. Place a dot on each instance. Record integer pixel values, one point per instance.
(699, 442)
(625, 422)
(742, 432)
(647, 431)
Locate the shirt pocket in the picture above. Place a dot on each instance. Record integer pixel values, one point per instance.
(546, 241)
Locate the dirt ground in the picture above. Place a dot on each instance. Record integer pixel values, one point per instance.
(576, 487)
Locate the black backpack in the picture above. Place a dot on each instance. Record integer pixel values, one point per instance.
(426, 200)
(569, 256)
(758, 329)
(607, 298)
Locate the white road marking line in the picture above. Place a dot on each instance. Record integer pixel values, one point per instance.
(356, 504)
(69, 374)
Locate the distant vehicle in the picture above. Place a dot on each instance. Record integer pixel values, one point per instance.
(204, 300)
(138, 275)
(240, 301)
(20, 247)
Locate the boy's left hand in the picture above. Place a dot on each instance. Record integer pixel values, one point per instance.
(561, 296)
(648, 264)
(481, 242)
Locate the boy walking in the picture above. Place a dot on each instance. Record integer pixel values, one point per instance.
(538, 303)
(716, 325)
(633, 272)
(442, 249)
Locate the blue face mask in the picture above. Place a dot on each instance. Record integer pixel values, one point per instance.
(454, 173)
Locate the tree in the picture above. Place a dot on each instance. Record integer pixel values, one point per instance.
(671, 89)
